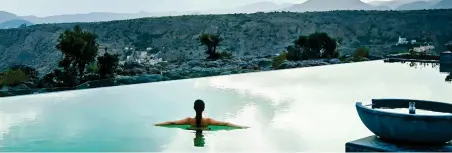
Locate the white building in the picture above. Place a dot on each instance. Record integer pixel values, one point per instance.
(424, 49)
(402, 41)
(144, 58)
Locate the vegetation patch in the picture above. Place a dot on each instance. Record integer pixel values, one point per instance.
(13, 78)
(278, 60)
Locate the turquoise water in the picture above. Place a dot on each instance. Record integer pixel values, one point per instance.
(307, 109)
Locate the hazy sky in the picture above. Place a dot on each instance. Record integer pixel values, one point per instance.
(57, 7)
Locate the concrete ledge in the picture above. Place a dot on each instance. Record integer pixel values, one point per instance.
(392, 59)
(373, 144)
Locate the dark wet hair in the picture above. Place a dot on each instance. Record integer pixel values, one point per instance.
(199, 108)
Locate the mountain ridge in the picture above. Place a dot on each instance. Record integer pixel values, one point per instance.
(6, 16)
(15, 23)
(265, 6)
(326, 5)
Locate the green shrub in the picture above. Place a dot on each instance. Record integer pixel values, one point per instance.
(293, 54)
(29, 71)
(13, 77)
(225, 55)
(48, 81)
(107, 65)
(335, 54)
(361, 53)
(310, 47)
(92, 68)
(342, 58)
(278, 60)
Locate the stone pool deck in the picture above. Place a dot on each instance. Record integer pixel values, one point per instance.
(373, 144)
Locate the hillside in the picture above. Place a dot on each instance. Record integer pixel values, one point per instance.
(244, 34)
(14, 23)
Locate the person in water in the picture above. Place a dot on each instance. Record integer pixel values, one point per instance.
(199, 121)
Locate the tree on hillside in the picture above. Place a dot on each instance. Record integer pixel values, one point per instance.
(211, 41)
(107, 64)
(66, 75)
(79, 48)
(22, 26)
(316, 45)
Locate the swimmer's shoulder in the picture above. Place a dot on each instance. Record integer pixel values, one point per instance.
(189, 119)
(208, 120)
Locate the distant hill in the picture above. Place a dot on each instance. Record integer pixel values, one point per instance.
(443, 4)
(259, 7)
(434, 2)
(393, 4)
(6, 16)
(329, 5)
(418, 5)
(106, 16)
(14, 23)
(396, 4)
(94, 17)
(265, 6)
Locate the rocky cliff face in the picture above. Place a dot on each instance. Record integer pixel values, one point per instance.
(256, 34)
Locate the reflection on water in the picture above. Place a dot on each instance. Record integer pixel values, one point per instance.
(447, 68)
(422, 64)
(443, 68)
(199, 140)
(306, 109)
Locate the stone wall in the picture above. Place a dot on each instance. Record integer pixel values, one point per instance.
(446, 57)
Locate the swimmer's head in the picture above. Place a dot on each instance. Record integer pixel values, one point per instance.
(199, 106)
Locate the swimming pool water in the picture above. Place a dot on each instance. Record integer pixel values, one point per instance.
(306, 109)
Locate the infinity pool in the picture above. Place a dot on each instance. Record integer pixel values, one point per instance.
(307, 109)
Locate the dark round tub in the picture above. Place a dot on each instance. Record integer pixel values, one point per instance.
(408, 128)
